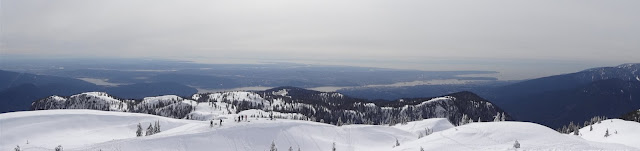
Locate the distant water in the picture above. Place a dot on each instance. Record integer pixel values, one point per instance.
(335, 88)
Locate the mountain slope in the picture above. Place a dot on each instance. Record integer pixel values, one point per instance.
(333, 108)
(607, 91)
(610, 98)
(625, 72)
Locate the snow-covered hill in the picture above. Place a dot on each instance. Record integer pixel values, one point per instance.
(72, 128)
(100, 130)
(620, 131)
(502, 136)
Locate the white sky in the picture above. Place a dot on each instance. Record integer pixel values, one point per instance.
(551, 36)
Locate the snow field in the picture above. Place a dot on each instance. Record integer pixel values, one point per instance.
(100, 130)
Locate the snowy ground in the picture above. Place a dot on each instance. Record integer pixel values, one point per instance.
(99, 130)
(621, 131)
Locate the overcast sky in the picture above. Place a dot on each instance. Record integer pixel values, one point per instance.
(560, 36)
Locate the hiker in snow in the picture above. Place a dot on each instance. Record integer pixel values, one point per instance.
(220, 122)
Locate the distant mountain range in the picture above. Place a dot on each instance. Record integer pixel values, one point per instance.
(333, 108)
(552, 101)
(557, 100)
(19, 90)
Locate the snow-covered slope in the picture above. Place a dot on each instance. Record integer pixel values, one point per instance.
(502, 136)
(100, 130)
(72, 128)
(621, 131)
(434, 125)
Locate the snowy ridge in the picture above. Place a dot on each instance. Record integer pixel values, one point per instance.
(332, 108)
(168, 106)
(100, 130)
(625, 72)
(88, 100)
(98, 100)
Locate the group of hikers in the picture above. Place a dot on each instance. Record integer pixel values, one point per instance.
(211, 125)
(240, 118)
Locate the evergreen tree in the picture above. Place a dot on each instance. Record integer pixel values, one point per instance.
(576, 131)
(516, 145)
(571, 127)
(290, 148)
(139, 131)
(273, 146)
(339, 121)
(59, 148)
(17, 148)
(397, 142)
(497, 117)
(149, 130)
(421, 149)
(404, 118)
(428, 131)
(463, 120)
(503, 118)
(590, 127)
(157, 128)
(606, 134)
(420, 135)
(563, 129)
(479, 119)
